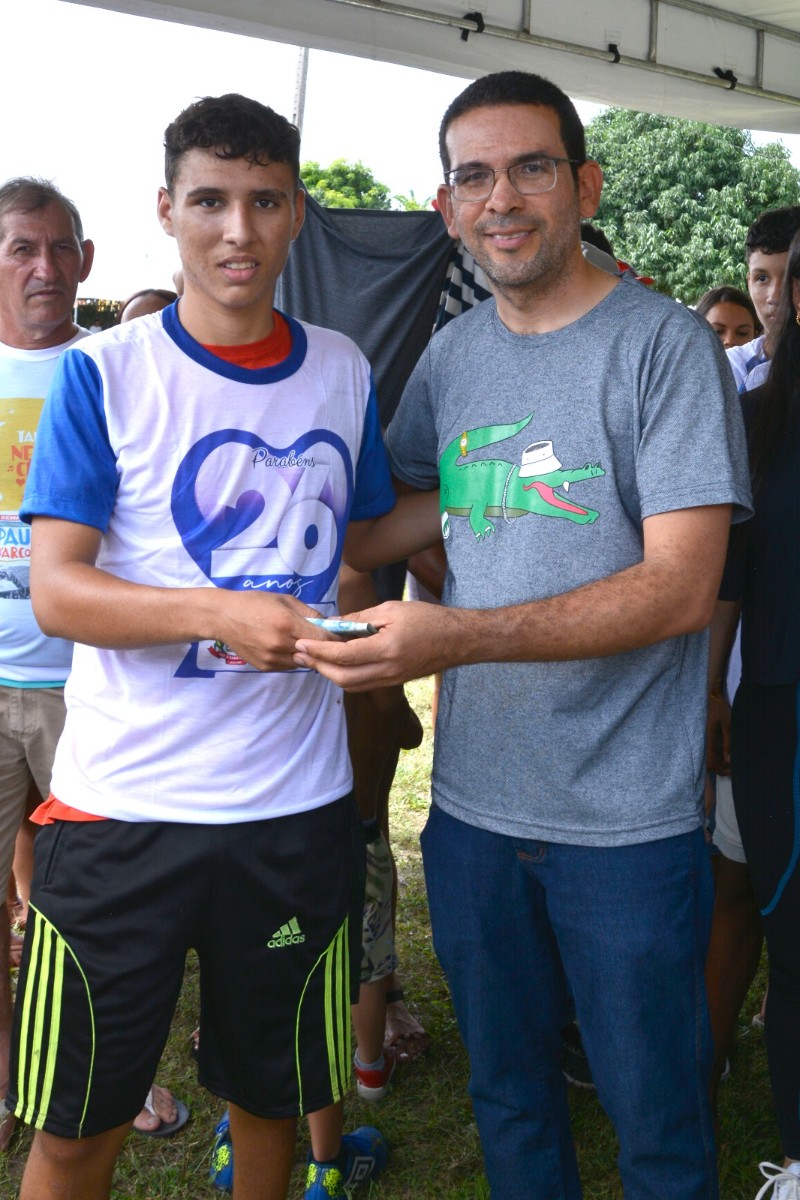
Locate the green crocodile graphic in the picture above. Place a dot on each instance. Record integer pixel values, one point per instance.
(493, 487)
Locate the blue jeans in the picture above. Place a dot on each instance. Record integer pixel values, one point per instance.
(628, 928)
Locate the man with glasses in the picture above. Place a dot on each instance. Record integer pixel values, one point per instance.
(587, 487)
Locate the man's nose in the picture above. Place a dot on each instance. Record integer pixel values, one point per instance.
(238, 224)
(46, 264)
(503, 195)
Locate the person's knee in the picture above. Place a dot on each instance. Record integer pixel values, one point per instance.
(65, 1156)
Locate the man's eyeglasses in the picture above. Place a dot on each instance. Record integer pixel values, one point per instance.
(528, 178)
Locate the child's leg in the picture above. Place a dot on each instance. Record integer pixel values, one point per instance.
(369, 1017)
(374, 1065)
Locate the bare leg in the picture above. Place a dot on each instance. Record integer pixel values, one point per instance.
(733, 956)
(326, 1126)
(72, 1169)
(263, 1155)
(369, 1020)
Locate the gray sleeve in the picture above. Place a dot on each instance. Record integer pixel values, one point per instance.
(411, 439)
(691, 448)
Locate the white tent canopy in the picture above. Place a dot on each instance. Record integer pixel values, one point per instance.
(733, 62)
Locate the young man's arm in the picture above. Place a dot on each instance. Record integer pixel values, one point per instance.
(74, 599)
(413, 524)
(671, 592)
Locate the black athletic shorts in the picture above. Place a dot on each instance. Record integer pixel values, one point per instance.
(273, 909)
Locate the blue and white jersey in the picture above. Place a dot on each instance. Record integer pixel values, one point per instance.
(749, 364)
(200, 473)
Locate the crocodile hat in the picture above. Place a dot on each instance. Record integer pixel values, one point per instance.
(538, 459)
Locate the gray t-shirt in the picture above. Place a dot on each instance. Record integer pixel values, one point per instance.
(550, 450)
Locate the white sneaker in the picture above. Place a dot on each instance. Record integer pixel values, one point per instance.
(785, 1181)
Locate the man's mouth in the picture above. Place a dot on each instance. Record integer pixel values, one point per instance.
(240, 266)
(507, 236)
(509, 240)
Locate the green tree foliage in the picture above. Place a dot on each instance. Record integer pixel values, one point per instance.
(344, 185)
(352, 185)
(679, 196)
(410, 203)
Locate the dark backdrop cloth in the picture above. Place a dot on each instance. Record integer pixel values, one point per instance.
(376, 276)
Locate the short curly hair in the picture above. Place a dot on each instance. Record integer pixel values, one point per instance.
(233, 126)
(772, 231)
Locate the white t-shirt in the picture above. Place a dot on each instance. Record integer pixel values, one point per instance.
(27, 657)
(203, 474)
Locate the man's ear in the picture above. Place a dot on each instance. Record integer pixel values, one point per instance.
(88, 259)
(590, 187)
(446, 207)
(164, 210)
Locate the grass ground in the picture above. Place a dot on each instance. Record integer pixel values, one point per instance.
(427, 1116)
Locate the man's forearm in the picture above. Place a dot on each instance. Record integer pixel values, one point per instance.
(671, 592)
(633, 608)
(413, 524)
(89, 605)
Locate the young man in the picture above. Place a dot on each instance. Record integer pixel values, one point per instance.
(195, 473)
(586, 492)
(766, 250)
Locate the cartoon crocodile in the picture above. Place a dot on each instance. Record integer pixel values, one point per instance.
(493, 487)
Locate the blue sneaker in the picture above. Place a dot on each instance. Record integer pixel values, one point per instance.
(363, 1156)
(221, 1173)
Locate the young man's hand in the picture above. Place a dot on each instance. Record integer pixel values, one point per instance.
(263, 628)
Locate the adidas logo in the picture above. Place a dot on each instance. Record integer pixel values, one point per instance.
(288, 935)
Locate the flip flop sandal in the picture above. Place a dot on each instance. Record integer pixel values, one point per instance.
(166, 1128)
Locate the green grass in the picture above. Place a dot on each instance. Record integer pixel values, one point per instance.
(427, 1116)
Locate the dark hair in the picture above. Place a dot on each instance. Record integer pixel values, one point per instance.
(27, 194)
(595, 237)
(517, 87)
(162, 293)
(772, 231)
(727, 295)
(232, 126)
(779, 398)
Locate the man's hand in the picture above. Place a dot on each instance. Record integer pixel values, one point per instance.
(413, 640)
(263, 628)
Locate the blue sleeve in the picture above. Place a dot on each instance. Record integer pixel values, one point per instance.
(73, 475)
(374, 494)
